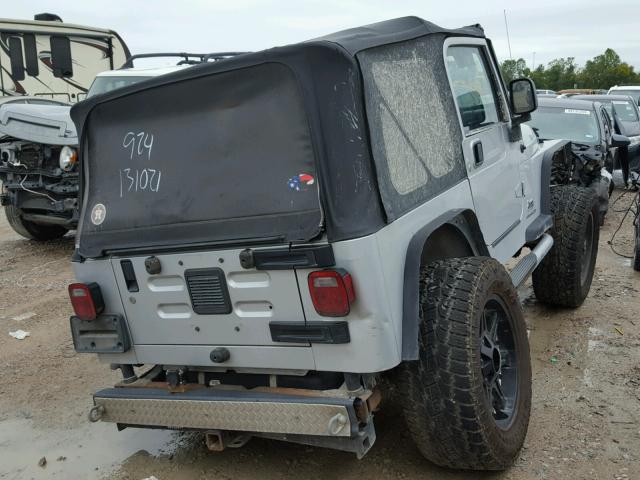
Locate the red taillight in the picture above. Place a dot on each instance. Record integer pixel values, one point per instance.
(86, 300)
(332, 292)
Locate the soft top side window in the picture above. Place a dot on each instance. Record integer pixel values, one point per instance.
(415, 133)
(472, 87)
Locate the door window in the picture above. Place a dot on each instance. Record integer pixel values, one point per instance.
(472, 87)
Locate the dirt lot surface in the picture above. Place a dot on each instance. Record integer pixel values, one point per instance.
(585, 422)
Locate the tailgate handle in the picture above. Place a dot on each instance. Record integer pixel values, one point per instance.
(129, 275)
(288, 258)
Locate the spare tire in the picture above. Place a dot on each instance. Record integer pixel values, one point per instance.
(30, 230)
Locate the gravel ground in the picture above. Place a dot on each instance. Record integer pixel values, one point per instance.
(585, 422)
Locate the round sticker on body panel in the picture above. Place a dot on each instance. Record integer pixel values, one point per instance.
(300, 182)
(98, 213)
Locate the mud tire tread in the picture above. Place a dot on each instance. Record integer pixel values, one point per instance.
(442, 392)
(557, 281)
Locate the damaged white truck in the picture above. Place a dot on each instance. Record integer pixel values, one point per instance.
(45, 66)
(265, 238)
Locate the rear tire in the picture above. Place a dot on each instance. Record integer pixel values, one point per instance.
(449, 394)
(30, 230)
(564, 276)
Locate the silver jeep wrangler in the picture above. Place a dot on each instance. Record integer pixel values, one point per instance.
(273, 234)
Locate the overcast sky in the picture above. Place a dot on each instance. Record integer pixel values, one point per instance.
(550, 28)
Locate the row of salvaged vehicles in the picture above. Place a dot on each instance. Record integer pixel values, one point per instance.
(266, 240)
(604, 130)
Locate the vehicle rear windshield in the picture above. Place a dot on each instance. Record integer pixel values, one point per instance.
(109, 83)
(575, 124)
(224, 157)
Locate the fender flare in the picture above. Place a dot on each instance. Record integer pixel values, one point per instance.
(545, 220)
(465, 222)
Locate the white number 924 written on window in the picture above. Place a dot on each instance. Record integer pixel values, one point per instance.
(138, 147)
(471, 87)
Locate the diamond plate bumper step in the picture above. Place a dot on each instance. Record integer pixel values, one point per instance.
(215, 409)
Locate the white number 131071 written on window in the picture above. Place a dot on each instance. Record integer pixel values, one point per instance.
(139, 180)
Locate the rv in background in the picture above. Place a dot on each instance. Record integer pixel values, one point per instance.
(49, 58)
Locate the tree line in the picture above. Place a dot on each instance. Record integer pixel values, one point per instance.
(601, 72)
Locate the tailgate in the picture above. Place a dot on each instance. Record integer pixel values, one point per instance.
(204, 298)
(219, 159)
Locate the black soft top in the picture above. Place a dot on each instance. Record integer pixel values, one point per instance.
(334, 138)
(351, 41)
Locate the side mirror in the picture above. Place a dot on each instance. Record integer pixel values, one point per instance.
(618, 140)
(522, 96)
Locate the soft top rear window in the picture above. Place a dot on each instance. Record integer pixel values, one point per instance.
(226, 157)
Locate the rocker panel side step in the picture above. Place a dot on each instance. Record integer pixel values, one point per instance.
(529, 262)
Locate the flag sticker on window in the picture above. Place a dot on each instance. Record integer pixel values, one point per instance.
(577, 112)
(300, 182)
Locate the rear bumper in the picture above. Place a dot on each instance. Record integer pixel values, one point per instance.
(300, 416)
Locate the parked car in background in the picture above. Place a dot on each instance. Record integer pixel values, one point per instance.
(110, 80)
(569, 92)
(546, 92)
(626, 121)
(631, 90)
(593, 142)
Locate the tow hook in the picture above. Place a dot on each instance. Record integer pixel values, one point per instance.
(337, 424)
(95, 414)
